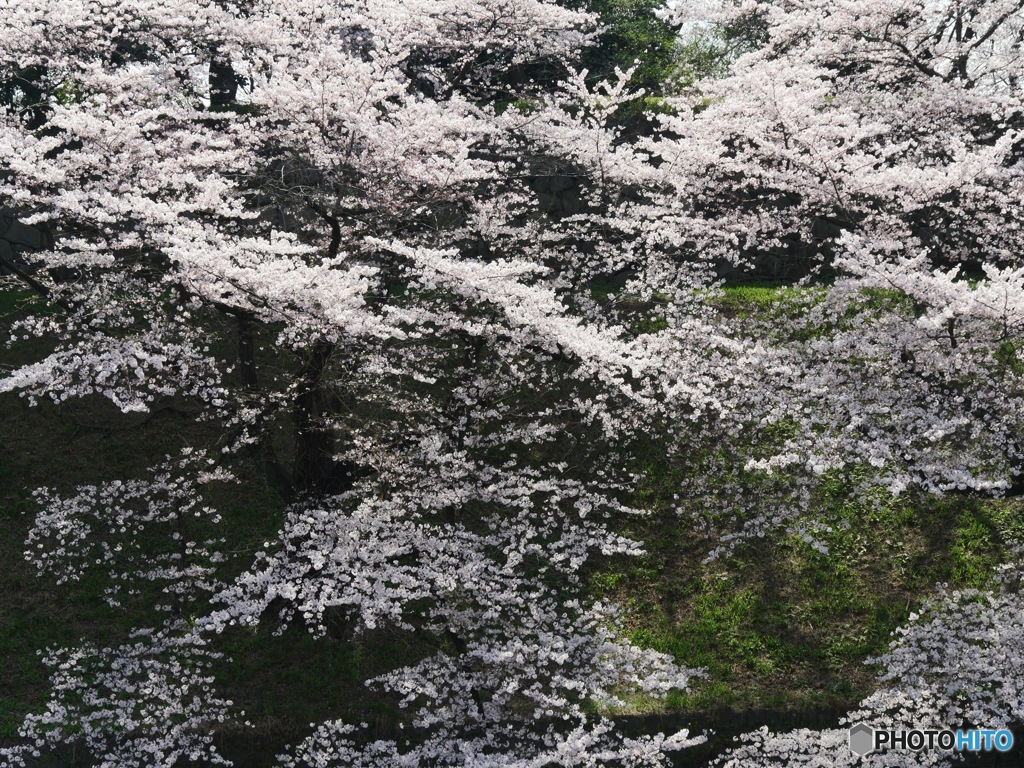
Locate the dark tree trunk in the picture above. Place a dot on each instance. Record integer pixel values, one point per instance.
(223, 81)
(246, 352)
(263, 450)
(314, 443)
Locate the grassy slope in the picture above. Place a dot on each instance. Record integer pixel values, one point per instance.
(778, 624)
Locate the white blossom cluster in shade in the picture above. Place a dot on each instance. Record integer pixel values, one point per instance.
(149, 702)
(110, 343)
(520, 653)
(957, 664)
(584, 745)
(113, 526)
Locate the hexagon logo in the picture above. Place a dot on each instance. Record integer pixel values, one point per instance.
(862, 739)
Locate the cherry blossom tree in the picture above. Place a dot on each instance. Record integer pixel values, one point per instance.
(450, 413)
(895, 122)
(446, 415)
(881, 142)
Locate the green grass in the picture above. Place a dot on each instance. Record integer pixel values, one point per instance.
(15, 300)
(778, 623)
(755, 296)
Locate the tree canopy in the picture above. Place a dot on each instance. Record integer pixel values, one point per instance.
(321, 230)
